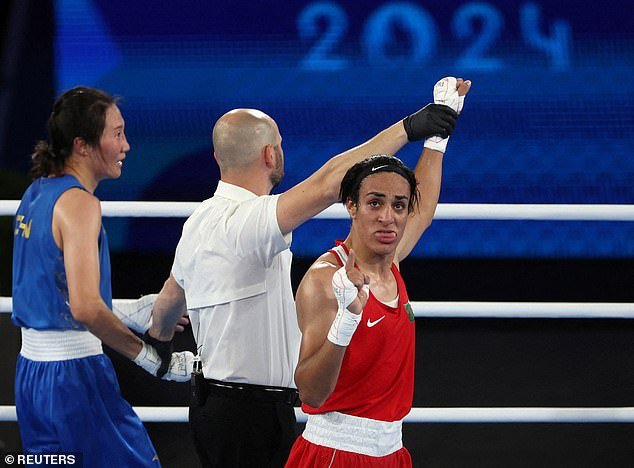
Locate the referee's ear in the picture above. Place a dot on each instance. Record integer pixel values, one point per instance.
(268, 156)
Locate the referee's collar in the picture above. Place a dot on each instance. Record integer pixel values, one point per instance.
(233, 192)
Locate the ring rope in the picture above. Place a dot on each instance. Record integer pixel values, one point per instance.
(177, 414)
(470, 211)
(449, 309)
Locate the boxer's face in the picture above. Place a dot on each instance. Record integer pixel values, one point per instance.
(108, 157)
(381, 214)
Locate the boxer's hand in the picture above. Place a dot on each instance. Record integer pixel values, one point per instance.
(351, 289)
(449, 92)
(163, 349)
(179, 365)
(361, 282)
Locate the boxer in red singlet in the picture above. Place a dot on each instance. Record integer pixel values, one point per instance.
(355, 374)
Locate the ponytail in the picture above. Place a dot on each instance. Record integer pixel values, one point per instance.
(44, 162)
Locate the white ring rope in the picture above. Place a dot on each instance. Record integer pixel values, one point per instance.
(176, 414)
(448, 309)
(472, 211)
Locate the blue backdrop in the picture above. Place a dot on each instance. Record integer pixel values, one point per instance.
(550, 118)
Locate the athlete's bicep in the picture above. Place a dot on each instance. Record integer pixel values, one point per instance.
(316, 308)
(78, 217)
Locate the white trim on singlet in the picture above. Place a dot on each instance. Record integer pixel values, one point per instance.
(340, 252)
(58, 345)
(354, 434)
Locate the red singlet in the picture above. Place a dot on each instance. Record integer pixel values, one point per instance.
(376, 380)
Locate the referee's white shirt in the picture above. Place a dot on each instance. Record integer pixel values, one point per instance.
(234, 265)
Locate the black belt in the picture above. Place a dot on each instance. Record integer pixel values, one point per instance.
(256, 392)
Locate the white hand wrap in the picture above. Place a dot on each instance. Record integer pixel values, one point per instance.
(180, 368)
(445, 92)
(135, 314)
(345, 322)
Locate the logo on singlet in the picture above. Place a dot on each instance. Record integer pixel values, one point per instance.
(410, 312)
(371, 323)
(22, 227)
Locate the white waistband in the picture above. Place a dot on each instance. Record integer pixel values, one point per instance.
(58, 345)
(354, 434)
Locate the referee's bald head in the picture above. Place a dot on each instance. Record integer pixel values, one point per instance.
(240, 135)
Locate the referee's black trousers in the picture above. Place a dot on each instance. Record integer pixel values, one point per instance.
(237, 431)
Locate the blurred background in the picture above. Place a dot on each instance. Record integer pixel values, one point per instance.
(549, 119)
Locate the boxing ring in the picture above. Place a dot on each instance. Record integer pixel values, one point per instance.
(435, 309)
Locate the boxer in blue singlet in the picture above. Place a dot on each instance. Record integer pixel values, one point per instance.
(66, 391)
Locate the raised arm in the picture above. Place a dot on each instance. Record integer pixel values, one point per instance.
(428, 170)
(321, 189)
(327, 324)
(428, 173)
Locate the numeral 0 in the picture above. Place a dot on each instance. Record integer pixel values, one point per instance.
(378, 33)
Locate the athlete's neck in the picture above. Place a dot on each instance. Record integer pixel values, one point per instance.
(83, 175)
